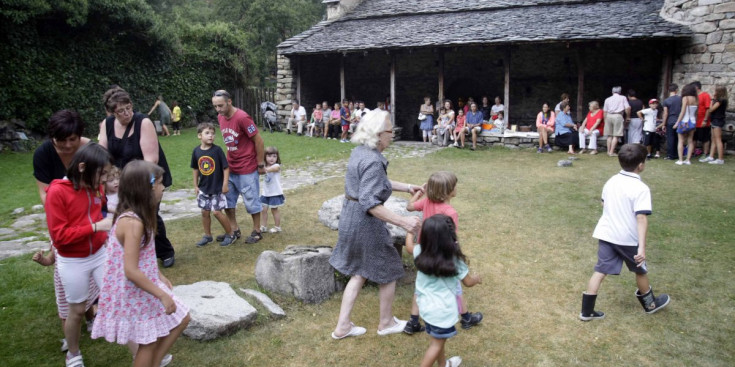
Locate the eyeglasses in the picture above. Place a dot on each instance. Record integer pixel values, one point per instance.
(221, 93)
(124, 110)
(388, 131)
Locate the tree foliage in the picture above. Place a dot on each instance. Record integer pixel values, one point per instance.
(58, 54)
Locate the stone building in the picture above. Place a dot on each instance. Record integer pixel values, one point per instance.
(527, 52)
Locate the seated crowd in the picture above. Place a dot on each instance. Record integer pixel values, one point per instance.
(335, 123)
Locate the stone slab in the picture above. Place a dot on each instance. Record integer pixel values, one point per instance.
(216, 310)
(275, 310)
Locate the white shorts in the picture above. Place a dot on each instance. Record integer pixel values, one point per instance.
(75, 273)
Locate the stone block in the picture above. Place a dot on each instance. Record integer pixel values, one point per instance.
(714, 17)
(300, 271)
(706, 58)
(716, 48)
(727, 24)
(275, 310)
(714, 37)
(512, 141)
(705, 27)
(216, 310)
(728, 57)
(713, 67)
(698, 39)
(710, 2)
(698, 49)
(331, 209)
(699, 11)
(717, 58)
(725, 8)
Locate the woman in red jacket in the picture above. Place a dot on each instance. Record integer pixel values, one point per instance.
(78, 231)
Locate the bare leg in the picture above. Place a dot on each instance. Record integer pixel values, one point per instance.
(72, 326)
(680, 146)
(276, 217)
(594, 284)
(690, 144)
(463, 304)
(348, 301)
(264, 216)
(414, 306)
(474, 138)
(222, 219)
(386, 293)
(717, 144)
(163, 345)
(435, 353)
(146, 355)
(232, 218)
(207, 222)
(642, 282)
(256, 222)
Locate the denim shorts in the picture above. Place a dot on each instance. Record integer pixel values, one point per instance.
(247, 186)
(273, 201)
(216, 202)
(439, 332)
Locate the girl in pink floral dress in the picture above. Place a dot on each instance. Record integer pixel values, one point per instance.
(136, 302)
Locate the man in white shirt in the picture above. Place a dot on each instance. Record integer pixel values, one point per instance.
(357, 115)
(298, 116)
(615, 109)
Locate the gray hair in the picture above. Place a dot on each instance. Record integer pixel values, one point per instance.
(372, 124)
(617, 90)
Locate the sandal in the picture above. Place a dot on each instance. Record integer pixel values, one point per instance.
(454, 361)
(254, 237)
(75, 361)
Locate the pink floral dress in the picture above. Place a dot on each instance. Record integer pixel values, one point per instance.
(126, 312)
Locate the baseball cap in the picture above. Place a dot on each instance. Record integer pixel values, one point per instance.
(653, 100)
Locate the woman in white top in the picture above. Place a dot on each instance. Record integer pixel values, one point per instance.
(686, 123)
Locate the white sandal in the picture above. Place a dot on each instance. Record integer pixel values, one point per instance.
(75, 361)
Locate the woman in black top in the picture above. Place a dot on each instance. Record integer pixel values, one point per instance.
(717, 115)
(52, 158)
(130, 135)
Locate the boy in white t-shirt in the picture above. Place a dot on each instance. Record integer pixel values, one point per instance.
(622, 233)
(650, 138)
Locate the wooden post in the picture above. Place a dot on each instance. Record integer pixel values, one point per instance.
(393, 89)
(441, 77)
(298, 79)
(580, 84)
(342, 79)
(506, 87)
(668, 62)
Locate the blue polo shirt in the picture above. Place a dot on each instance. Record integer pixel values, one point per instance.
(561, 120)
(474, 118)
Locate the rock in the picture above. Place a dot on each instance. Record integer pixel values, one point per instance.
(275, 310)
(564, 163)
(216, 310)
(573, 158)
(330, 210)
(18, 211)
(37, 208)
(6, 232)
(23, 223)
(300, 271)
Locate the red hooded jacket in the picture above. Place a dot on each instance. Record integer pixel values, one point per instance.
(70, 214)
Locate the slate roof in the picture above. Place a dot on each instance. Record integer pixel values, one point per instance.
(393, 24)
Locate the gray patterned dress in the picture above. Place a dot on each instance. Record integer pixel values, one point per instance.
(364, 246)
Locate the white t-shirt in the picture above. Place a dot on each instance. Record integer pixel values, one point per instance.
(624, 196)
(112, 201)
(497, 108)
(299, 114)
(272, 183)
(649, 119)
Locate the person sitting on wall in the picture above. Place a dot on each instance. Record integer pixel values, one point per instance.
(474, 125)
(446, 124)
(466, 107)
(357, 115)
(545, 126)
(497, 107)
(592, 127)
(298, 117)
(498, 124)
(566, 130)
(558, 108)
(486, 109)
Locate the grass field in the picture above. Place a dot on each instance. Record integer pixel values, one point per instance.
(526, 227)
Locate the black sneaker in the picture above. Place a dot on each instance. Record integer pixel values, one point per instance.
(204, 241)
(474, 319)
(413, 327)
(595, 315)
(221, 237)
(169, 262)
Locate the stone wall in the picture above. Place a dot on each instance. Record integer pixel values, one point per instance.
(709, 55)
(285, 86)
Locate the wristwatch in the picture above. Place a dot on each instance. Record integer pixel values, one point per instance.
(261, 166)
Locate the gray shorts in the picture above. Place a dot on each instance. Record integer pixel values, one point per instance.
(216, 202)
(610, 258)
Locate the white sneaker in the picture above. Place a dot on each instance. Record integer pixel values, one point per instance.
(679, 163)
(706, 159)
(64, 345)
(275, 230)
(717, 161)
(454, 361)
(263, 229)
(687, 163)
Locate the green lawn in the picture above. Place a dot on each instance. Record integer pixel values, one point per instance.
(526, 227)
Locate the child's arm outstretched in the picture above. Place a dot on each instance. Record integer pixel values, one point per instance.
(471, 280)
(642, 220)
(273, 168)
(414, 198)
(130, 232)
(410, 242)
(47, 260)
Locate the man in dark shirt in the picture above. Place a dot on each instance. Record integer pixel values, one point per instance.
(485, 109)
(672, 109)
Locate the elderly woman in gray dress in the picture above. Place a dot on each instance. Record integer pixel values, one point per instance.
(365, 249)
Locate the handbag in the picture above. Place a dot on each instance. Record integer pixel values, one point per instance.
(422, 117)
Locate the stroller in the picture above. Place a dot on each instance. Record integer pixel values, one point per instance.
(270, 119)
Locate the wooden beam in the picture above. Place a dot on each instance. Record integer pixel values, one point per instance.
(668, 63)
(580, 84)
(441, 77)
(393, 89)
(342, 79)
(506, 87)
(298, 80)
